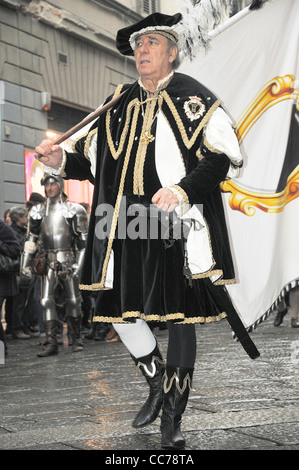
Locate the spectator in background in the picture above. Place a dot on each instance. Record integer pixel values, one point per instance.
(290, 302)
(9, 246)
(8, 303)
(6, 217)
(24, 319)
(35, 198)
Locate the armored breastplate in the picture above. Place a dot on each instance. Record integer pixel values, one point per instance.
(56, 231)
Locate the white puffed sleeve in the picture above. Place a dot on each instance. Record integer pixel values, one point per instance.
(220, 135)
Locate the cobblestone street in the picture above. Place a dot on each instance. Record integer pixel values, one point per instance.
(87, 400)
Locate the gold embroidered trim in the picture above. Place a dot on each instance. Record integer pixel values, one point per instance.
(186, 382)
(223, 282)
(109, 320)
(211, 272)
(115, 153)
(93, 287)
(210, 147)
(76, 140)
(188, 142)
(199, 155)
(210, 319)
(155, 317)
(87, 142)
(182, 192)
(148, 120)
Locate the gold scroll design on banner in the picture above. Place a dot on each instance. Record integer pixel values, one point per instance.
(245, 200)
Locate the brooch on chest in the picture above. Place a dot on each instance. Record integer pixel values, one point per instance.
(194, 108)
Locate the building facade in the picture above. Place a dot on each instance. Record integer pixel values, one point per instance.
(58, 62)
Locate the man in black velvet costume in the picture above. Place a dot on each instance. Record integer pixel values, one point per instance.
(156, 152)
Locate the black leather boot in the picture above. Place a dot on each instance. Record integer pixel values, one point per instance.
(152, 367)
(77, 344)
(177, 385)
(50, 346)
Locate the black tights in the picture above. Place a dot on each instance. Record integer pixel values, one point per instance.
(181, 345)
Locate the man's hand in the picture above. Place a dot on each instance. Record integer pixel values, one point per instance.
(165, 200)
(49, 154)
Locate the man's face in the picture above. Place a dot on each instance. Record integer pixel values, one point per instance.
(52, 189)
(22, 221)
(153, 56)
(8, 219)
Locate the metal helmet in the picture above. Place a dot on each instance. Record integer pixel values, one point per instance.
(53, 178)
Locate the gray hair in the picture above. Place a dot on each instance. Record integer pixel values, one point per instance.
(177, 60)
(16, 212)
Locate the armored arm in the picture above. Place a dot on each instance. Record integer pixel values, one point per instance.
(80, 227)
(30, 249)
(31, 242)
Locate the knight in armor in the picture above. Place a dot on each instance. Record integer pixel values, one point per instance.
(58, 228)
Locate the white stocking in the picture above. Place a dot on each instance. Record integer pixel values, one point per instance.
(137, 337)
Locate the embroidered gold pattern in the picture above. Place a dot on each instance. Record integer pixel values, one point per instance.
(188, 142)
(116, 153)
(146, 137)
(194, 108)
(149, 116)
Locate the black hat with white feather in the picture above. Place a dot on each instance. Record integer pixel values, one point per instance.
(189, 31)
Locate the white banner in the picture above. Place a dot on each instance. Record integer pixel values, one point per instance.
(252, 67)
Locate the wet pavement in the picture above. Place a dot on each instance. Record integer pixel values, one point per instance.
(87, 400)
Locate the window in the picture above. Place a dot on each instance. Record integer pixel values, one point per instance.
(149, 6)
(62, 58)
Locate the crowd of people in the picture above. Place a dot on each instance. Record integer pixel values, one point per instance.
(21, 306)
